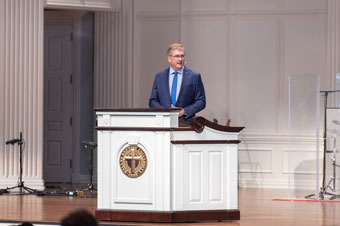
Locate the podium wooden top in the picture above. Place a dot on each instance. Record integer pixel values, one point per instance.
(196, 124)
(138, 109)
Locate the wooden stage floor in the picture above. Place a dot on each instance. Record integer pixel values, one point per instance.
(256, 206)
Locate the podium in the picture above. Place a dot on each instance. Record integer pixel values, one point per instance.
(153, 167)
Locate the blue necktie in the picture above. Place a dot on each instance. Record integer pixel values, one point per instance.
(173, 89)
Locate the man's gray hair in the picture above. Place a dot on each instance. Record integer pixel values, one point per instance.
(173, 47)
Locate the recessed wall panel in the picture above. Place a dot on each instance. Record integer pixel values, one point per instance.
(255, 161)
(152, 38)
(304, 5)
(156, 5)
(254, 5)
(205, 40)
(304, 58)
(300, 161)
(304, 40)
(254, 72)
(204, 6)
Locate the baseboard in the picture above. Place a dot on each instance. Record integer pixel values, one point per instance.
(34, 183)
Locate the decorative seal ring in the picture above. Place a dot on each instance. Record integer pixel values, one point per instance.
(133, 161)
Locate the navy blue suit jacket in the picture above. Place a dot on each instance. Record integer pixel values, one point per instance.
(191, 96)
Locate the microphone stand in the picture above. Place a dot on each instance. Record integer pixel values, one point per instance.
(91, 146)
(323, 191)
(20, 185)
(333, 178)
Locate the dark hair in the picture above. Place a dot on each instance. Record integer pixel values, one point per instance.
(79, 217)
(26, 224)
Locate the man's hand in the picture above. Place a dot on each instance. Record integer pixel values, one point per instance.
(181, 113)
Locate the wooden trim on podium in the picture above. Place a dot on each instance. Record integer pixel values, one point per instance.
(144, 128)
(205, 141)
(167, 217)
(198, 123)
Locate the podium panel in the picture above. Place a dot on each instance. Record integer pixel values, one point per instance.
(153, 168)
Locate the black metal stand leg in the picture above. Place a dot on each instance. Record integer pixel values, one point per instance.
(91, 146)
(90, 185)
(323, 189)
(21, 186)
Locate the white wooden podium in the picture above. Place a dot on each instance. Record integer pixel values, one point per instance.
(152, 169)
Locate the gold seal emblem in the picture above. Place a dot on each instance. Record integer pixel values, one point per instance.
(133, 161)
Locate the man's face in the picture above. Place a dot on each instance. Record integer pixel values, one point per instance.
(176, 59)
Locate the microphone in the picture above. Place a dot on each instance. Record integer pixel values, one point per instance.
(89, 144)
(337, 122)
(13, 141)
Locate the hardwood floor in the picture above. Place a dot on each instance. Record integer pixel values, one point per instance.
(256, 205)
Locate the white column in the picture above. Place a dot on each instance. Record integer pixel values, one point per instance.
(333, 49)
(113, 54)
(21, 78)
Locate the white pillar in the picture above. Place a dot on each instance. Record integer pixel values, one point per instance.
(21, 78)
(333, 49)
(113, 57)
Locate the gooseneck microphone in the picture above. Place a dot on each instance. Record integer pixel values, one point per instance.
(13, 141)
(89, 144)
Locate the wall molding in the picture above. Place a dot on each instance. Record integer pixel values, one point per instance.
(280, 139)
(105, 5)
(272, 183)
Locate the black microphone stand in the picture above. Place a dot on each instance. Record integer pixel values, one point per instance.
(91, 146)
(20, 185)
(323, 191)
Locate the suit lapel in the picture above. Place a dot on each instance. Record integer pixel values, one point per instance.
(184, 78)
(166, 84)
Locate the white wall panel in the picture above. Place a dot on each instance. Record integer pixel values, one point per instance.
(300, 161)
(255, 161)
(304, 5)
(156, 5)
(254, 72)
(303, 54)
(152, 37)
(22, 79)
(206, 43)
(205, 6)
(238, 6)
(304, 42)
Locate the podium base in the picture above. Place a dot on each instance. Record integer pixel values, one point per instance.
(167, 217)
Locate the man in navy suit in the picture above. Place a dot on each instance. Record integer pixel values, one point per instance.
(178, 86)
